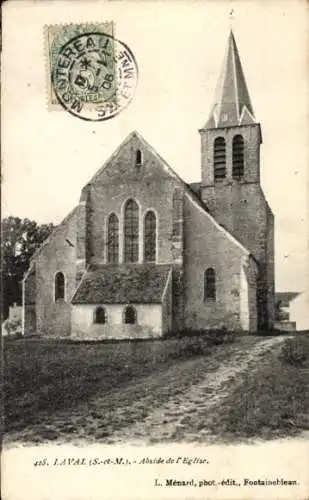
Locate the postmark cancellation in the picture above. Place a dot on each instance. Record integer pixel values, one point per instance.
(91, 74)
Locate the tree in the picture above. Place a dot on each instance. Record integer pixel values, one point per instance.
(20, 239)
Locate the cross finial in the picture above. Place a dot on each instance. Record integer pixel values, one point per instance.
(231, 17)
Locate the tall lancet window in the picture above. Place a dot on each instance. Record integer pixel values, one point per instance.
(138, 158)
(150, 237)
(131, 221)
(113, 239)
(210, 284)
(238, 157)
(219, 158)
(59, 286)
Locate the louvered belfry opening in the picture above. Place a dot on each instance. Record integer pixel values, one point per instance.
(238, 157)
(219, 158)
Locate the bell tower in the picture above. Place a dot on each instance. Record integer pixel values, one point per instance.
(230, 150)
(231, 138)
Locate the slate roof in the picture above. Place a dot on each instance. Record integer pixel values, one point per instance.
(284, 298)
(195, 187)
(143, 284)
(232, 104)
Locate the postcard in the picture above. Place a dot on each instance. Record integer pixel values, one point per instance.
(155, 250)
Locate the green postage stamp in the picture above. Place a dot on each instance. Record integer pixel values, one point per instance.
(91, 74)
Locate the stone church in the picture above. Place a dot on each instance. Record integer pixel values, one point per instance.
(144, 253)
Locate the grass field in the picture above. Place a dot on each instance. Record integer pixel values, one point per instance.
(68, 391)
(43, 376)
(272, 398)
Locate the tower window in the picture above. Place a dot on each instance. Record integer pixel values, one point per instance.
(150, 237)
(100, 315)
(113, 239)
(238, 157)
(130, 316)
(138, 158)
(210, 284)
(219, 158)
(59, 286)
(131, 222)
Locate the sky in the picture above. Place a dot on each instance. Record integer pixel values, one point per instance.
(48, 155)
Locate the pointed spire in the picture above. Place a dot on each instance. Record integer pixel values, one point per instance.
(232, 102)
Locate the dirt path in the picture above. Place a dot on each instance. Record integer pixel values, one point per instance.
(175, 403)
(185, 416)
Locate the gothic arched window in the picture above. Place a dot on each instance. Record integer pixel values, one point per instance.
(130, 315)
(150, 237)
(131, 222)
(138, 158)
(100, 315)
(210, 284)
(219, 158)
(59, 286)
(238, 157)
(113, 239)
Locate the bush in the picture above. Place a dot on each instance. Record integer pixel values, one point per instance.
(295, 351)
(191, 346)
(215, 336)
(274, 332)
(221, 336)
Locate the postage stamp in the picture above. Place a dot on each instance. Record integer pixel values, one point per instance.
(91, 74)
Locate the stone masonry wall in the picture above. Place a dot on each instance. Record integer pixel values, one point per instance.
(240, 206)
(167, 307)
(149, 322)
(149, 184)
(153, 187)
(58, 255)
(271, 267)
(243, 211)
(252, 139)
(248, 292)
(207, 245)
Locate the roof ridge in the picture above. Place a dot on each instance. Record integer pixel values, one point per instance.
(123, 285)
(47, 240)
(220, 227)
(148, 146)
